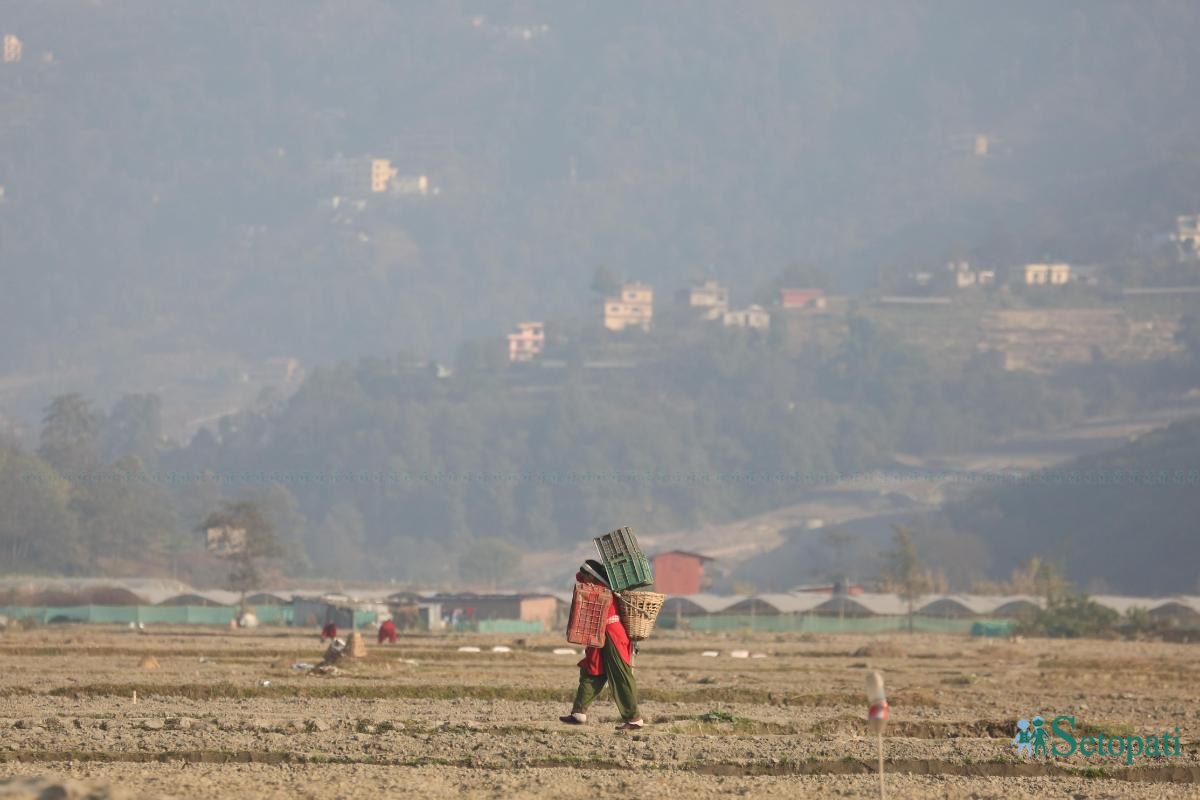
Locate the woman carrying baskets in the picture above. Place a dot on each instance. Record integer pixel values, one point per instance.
(611, 664)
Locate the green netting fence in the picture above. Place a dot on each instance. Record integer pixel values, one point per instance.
(361, 618)
(282, 615)
(510, 626)
(173, 615)
(814, 623)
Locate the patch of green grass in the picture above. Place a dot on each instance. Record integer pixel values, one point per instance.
(1112, 730)
(724, 723)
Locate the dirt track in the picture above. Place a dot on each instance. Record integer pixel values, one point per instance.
(425, 718)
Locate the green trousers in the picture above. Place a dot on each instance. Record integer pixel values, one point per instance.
(616, 673)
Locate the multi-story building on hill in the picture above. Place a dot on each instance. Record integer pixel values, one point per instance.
(1047, 274)
(382, 173)
(12, 49)
(710, 297)
(965, 276)
(750, 317)
(1187, 234)
(633, 307)
(386, 178)
(528, 342)
(801, 299)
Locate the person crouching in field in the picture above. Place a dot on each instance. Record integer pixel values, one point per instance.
(612, 663)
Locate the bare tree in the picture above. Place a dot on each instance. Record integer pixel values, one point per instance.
(903, 572)
(242, 533)
(1040, 577)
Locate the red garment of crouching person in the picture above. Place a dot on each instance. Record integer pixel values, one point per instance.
(387, 632)
(329, 631)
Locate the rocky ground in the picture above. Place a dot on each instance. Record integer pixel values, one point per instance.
(224, 714)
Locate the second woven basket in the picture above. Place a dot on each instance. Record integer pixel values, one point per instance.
(638, 612)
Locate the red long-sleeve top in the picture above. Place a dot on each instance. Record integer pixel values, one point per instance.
(592, 662)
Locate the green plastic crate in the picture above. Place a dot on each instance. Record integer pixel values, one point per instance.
(617, 544)
(624, 561)
(628, 572)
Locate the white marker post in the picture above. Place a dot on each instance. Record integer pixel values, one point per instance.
(877, 717)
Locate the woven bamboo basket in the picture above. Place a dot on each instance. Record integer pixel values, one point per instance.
(638, 612)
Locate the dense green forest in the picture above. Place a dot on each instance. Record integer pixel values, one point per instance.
(381, 468)
(170, 169)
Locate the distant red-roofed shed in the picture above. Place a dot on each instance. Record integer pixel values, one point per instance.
(678, 572)
(791, 299)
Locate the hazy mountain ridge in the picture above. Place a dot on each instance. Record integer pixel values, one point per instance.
(1125, 518)
(169, 173)
(186, 201)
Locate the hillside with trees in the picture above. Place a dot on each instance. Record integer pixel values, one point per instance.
(187, 198)
(1123, 520)
(383, 468)
(186, 186)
